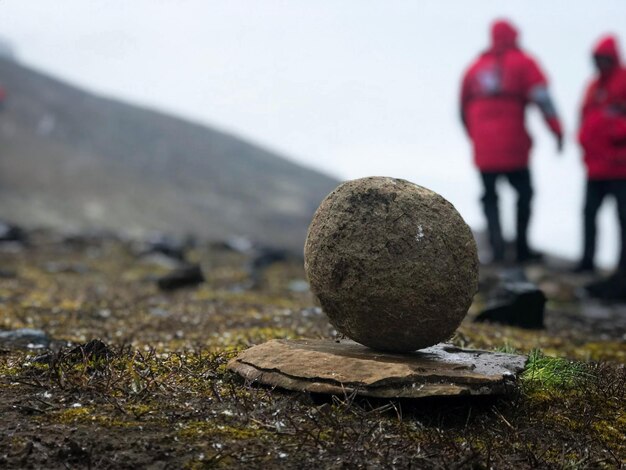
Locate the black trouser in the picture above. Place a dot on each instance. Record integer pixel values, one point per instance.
(596, 191)
(520, 180)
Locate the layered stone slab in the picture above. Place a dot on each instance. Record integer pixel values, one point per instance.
(340, 367)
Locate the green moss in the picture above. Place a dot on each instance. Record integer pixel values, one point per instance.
(613, 430)
(9, 369)
(73, 415)
(605, 350)
(208, 429)
(553, 372)
(104, 416)
(210, 461)
(140, 410)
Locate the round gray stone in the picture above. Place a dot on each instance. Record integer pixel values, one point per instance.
(393, 264)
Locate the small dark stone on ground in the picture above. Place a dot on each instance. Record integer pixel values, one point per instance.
(263, 258)
(7, 274)
(515, 301)
(87, 238)
(612, 288)
(235, 244)
(24, 338)
(162, 260)
(165, 245)
(190, 275)
(12, 233)
(266, 256)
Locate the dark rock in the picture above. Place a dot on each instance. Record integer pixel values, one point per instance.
(24, 338)
(612, 288)
(190, 275)
(165, 245)
(393, 264)
(12, 233)
(515, 301)
(235, 244)
(163, 261)
(91, 237)
(264, 257)
(8, 274)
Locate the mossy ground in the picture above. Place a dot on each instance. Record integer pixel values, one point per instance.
(160, 397)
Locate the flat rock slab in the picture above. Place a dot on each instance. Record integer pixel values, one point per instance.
(339, 367)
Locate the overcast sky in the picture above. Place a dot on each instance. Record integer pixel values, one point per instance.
(352, 87)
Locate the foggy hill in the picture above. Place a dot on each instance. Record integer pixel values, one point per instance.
(72, 160)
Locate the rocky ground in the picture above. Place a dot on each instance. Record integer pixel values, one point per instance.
(117, 373)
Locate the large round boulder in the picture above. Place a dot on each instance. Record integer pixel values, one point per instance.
(393, 264)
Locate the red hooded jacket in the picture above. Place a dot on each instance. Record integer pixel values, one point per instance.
(495, 92)
(603, 118)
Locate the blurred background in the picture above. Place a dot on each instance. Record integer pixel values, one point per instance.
(274, 104)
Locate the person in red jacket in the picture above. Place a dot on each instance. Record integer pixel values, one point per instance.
(495, 92)
(602, 136)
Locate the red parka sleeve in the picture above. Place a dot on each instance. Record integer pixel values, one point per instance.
(533, 77)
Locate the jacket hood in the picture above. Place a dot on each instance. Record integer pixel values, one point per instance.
(503, 36)
(607, 46)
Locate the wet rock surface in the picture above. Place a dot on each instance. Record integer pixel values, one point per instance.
(339, 367)
(393, 264)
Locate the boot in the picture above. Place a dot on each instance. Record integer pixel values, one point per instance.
(524, 253)
(584, 266)
(495, 233)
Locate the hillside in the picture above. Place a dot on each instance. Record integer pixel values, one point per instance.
(72, 160)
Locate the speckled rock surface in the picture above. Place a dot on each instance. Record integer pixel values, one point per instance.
(393, 264)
